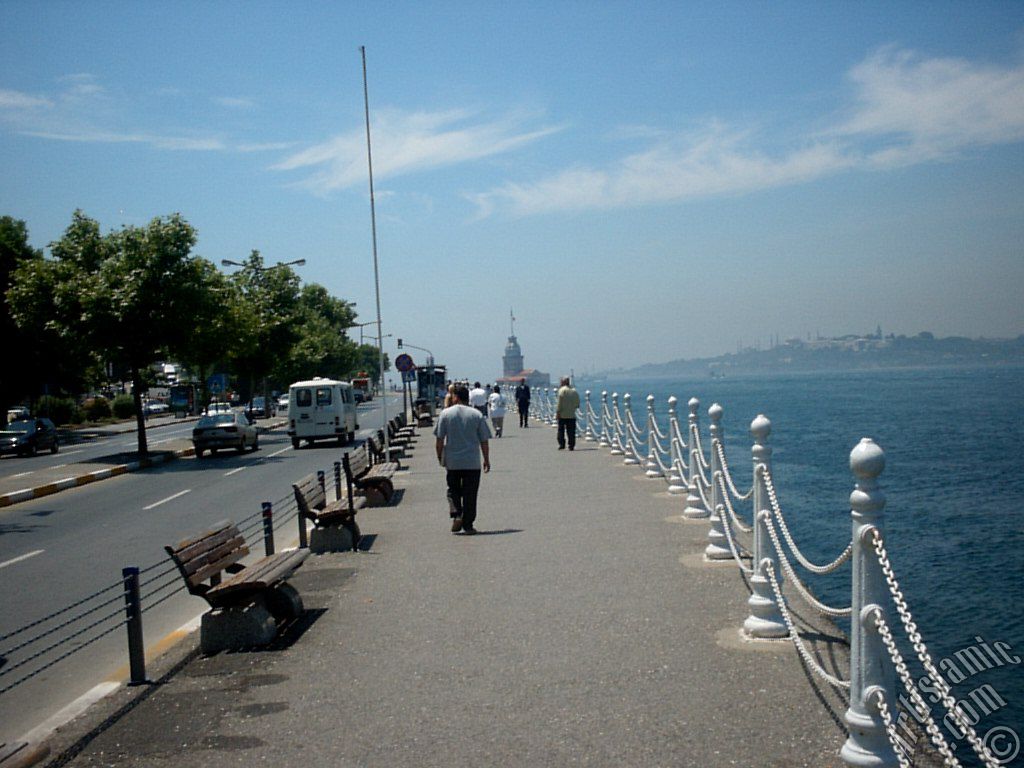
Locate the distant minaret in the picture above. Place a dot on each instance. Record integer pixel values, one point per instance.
(512, 361)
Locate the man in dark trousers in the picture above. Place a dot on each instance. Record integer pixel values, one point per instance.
(462, 434)
(523, 402)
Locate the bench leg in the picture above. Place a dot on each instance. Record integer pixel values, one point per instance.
(226, 629)
(284, 603)
(334, 538)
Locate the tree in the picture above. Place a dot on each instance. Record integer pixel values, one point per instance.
(33, 290)
(321, 346)
(14, 250)
(135, 295)
(369, 361)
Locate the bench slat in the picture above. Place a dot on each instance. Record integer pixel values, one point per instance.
(259, 576)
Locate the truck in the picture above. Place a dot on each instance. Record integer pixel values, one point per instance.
(363, 387)
(321, 409)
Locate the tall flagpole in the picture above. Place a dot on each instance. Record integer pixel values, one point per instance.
(376, 269)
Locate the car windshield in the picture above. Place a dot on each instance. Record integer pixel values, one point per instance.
(21, 426)
(217, 420)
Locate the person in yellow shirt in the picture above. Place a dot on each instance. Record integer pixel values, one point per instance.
(565, 409)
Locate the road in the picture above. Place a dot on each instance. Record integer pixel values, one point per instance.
(58, 549)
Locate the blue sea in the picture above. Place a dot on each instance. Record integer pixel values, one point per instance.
(954, 482)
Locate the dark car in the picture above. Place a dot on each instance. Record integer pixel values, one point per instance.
(27, 438)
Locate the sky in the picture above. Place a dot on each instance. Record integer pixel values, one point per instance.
(633, 181)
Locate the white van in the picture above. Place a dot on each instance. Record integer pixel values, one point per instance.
(321, 409)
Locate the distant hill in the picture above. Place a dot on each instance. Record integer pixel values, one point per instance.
(845, 354)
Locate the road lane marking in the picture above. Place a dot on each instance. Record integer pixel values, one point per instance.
(169, 498)
(18, 559)
(22, 474)
(259, 460)
(78, 450)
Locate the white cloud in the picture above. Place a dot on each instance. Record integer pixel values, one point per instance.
(406, 142)
(178, 143)
(235, 102)
(931, 108)
(16, 100)
(906, 109)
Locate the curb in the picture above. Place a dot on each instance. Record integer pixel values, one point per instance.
(7, 499)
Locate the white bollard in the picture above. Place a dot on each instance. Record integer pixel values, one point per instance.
(675, 480)
(871, 668)
(616, 441)
(694, 504)
(765, 620)
(628, 449)
(604, 442)
(652, 465)
(718, 544)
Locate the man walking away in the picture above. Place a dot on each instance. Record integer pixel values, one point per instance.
(523, 402)
(566, 406)
(462, 436)
(478, 398)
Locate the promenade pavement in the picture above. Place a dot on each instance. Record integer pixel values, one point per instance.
(580, 627)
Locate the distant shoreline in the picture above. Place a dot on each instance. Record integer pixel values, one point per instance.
(843, 355)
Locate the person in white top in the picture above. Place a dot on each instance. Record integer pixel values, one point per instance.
(497, 406)
(478, 398)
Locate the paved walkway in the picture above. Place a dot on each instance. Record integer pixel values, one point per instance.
(579, 628)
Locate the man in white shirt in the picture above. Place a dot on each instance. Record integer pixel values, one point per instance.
(478, 398)
(462, 436)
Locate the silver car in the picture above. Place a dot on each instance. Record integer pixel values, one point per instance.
(224, 430)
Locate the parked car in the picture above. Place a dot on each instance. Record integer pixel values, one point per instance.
(218, 407)
(282, 403)
(224, 430)
(153, 407)
(28, 437)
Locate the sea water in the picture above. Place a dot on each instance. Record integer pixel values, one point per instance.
(954, 482)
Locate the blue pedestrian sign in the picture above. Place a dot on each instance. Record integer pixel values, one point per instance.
(217, 383)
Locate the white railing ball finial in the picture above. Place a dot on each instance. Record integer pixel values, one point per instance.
(867, 459)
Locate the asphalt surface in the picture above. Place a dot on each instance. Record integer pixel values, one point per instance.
(579, 628)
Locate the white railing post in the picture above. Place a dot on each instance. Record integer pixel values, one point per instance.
(652, 465)
(552, 395)
(765, 620)
(694, 504)
(589, 412)
(675, 480)
(718, 544)
(629, 450)
(604, 441)
(870, 666)
(617, 427)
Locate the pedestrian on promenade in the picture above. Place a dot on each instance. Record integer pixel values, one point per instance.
(478, 398)
(462, 436)
(565, 408)
(523, 402)
(497, 407)
(449, 397)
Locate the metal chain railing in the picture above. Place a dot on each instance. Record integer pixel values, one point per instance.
(717, 446)
(921, 650)
(809, 660)
(777, 510)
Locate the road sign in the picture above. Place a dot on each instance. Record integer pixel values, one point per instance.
(404, 363)
(408, 377)
(217, 383)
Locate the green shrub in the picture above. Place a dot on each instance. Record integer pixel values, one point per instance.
(60, 410)
(97, 408)
(124, 406)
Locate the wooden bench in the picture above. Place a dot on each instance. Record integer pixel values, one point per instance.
(334, 522)
(21, 754)
(245, 608)
(361, 476)
(382, 463)
(399, 436)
